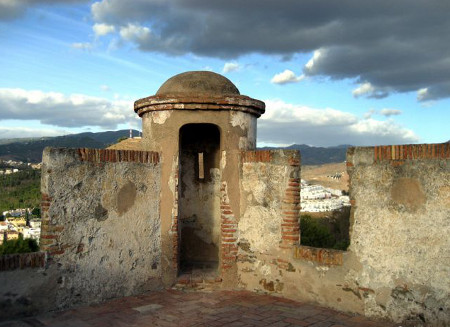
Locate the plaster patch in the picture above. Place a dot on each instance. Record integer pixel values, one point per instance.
(444, 194)
(172, 179)
(243, 143)
(160, 117)
(261, 227)
(126, 197)
(408, 192)
(265, 270)
(239, 118)
(223, 160)
(322, 270)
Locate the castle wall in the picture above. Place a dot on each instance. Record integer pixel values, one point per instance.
(397, 265)
(100, 231)
(400, 230)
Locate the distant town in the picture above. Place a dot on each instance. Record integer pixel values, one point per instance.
(317, 198)
(8, 167)
(20, 221)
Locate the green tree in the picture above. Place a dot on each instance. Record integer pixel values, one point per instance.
(36, 212)
(315, 234)
(20, 245)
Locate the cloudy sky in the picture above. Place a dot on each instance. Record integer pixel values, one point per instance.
(330, 72)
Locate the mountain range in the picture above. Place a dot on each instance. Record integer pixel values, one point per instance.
(30, 149)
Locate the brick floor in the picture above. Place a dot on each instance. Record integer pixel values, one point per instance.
(188, 308)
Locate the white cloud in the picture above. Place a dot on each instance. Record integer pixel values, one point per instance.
(57, 109)
(363, 89)
(368, 90)
(383, 130)
(369, 113)
(103, 29)
(105, 88)
(390, 112)
(315, 58)
(422, 94)
(285, 123)
(82, 46)
(133, 32)
(279, 111)
(288, 76)
(230, 67)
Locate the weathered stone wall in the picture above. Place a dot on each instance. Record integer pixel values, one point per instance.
(100, 231)
(268, 226)
(397, 265)
(102, 226)
(400, 230)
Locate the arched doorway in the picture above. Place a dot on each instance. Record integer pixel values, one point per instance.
(199, 197)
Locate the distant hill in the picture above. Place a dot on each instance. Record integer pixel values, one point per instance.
(30, 150)
(318, 155)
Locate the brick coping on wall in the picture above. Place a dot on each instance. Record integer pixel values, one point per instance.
(22, 261)
(109, 155)
(398, 155)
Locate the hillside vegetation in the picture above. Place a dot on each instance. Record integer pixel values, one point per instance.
(30, 150)
(20, 190)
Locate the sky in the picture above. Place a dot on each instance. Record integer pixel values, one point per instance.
(330, 72)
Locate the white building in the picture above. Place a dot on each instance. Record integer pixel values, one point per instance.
(316, 198)
(35, 223)
(33, 233)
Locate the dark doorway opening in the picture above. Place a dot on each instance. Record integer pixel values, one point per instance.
(199, 198)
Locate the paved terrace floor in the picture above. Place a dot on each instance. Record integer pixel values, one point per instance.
(183, 308)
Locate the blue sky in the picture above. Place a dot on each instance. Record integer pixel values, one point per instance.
(361, 74)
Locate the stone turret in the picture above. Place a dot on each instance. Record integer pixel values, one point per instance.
(200, 123)
(198, 97)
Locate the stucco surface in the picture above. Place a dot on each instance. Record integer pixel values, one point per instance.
(111, 234)
(397, 266)
(400, 234)
(262, 192)
(237, 132)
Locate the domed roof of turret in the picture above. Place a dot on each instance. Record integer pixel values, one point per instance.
(198, 83)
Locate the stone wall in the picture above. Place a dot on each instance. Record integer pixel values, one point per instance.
(268, 226)
(400, 230)
(100, 231)
(396, 267)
